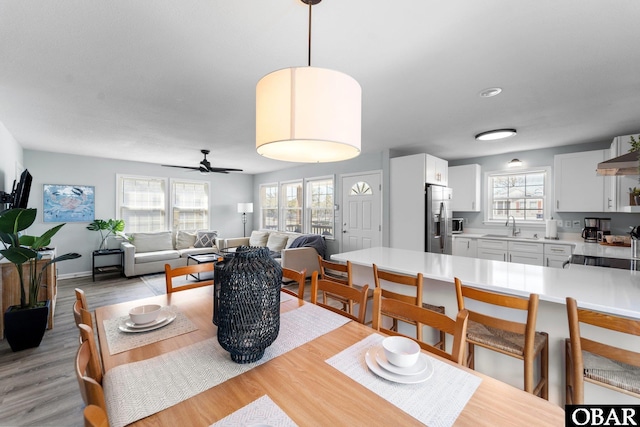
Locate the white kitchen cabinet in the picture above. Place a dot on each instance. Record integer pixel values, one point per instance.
(526, 252)
(578, 188)
(465, 182)
(465, 246)
(494, 249)
(555, 255)
(621, 184)
(437, 171)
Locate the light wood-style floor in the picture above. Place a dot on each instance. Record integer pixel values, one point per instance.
(38, 386)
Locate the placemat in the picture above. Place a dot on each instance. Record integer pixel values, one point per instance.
(260, 412)
(436, 402)
(285, 297)
(137, 390)
(119, 341)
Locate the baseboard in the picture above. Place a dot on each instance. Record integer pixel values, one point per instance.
(74, 275)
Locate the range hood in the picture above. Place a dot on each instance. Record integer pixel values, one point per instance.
(627, 164)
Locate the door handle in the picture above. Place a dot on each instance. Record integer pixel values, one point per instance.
(344, 231)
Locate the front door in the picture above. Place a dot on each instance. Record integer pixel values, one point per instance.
(362, 211)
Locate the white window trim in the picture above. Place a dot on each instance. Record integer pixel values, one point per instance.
(268, 184)
(547, 195)
(167, 202)
(307, 209)
(282, 209)
(170, 197)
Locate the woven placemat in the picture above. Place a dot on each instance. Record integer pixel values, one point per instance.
(436, 402)
(136, 390)
(260, 412)
(119, 341)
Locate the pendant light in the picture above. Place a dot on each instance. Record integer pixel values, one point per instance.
(308, 114)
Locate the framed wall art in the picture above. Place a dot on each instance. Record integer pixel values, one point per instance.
(68, 203)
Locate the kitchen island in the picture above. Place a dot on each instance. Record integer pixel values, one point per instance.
(604, 289)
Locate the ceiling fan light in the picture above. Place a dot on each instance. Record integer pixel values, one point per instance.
(308, 114)
(514, 163)
(492, 135)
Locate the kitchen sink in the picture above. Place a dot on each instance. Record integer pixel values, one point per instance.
(502, 236)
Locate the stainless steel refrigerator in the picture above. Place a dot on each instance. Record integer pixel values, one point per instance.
(438, 237)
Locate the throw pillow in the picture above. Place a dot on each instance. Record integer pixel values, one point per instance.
(185, 239)
(258, 238)
(151, 242)
(205, 239)
(276, 242)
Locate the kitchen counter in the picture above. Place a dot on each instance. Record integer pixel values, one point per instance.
(608, 290)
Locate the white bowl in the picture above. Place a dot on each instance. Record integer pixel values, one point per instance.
(401, 351)
(144, 313)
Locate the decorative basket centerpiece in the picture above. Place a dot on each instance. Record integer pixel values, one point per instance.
(247, 302)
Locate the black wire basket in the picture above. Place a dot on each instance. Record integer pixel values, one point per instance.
(247, 302)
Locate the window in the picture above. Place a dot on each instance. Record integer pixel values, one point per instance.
(190, 205)
(291, 206)
(269, 206)
(141, 203)
(146, 203)
(320, 204)
(520, 194)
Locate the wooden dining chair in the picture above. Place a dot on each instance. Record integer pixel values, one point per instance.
(414, 285)
(81, 316)
(456, 328)
(172, 273)
(89, 370)
(350, 294)
(80, 296)
(512, 338)
(341, 273)
(290, 276)
(95, 416)
(596, 362)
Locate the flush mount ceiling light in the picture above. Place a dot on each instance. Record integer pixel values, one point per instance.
(308, 114)
(514, 163)
(495, 134)
(489, 92)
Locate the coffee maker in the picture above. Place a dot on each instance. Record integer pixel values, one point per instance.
(604, 228)
(590, 230)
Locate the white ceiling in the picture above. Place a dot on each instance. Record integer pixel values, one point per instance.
(158, 80)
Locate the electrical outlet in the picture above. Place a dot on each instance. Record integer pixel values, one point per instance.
(567, 223)
(559, 223)
(576, 223)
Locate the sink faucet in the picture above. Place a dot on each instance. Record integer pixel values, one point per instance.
(514, 232)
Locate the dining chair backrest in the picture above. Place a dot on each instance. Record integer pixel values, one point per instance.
(81, 316)
(395, 308)
(171, 273)
(95, 416)
(88, 375)
(299, 277)
(94, 367)
(620, 368)
(352, 295)
(80, 296)
(335, 271)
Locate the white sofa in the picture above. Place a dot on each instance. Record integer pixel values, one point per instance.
(278, 242)
(147, 253)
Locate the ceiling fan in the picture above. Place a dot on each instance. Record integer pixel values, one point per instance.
(205, 166)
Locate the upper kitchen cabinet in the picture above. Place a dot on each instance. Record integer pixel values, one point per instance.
(437, 171)
(621, 184)
(578, 188)
(465, 183)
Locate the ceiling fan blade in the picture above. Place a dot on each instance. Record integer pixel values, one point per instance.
(224, 170)
(182, 167)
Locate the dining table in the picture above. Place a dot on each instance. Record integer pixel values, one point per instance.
(315, 373)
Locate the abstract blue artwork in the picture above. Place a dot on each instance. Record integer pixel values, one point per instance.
(68, 203)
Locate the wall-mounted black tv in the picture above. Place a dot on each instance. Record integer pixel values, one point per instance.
(21, 191)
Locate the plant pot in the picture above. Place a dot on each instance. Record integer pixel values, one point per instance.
(24, 328)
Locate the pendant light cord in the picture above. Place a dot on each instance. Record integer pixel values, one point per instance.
(309, 58)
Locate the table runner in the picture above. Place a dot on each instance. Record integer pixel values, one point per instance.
(260, 412)
(137, 390)
(119, 341)
(436, 402)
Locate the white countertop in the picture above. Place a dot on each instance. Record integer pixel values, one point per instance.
(608, 290)
(579, 247)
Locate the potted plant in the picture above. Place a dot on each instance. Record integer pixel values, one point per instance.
(25, 323)
(111, 227)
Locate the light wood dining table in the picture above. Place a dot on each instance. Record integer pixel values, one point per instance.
(306, 388)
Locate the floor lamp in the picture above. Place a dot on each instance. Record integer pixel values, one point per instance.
(245, 208)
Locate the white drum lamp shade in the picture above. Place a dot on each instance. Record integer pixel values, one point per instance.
(308, 114)
(245, 207)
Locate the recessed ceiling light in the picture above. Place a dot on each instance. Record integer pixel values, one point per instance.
(489, 92)
(495, 134)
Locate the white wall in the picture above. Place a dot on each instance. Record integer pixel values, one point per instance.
(10, 159)
(54, 168)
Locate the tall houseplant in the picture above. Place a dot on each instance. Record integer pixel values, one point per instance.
(111, 227)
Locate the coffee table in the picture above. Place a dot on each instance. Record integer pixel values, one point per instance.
(201, 259)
